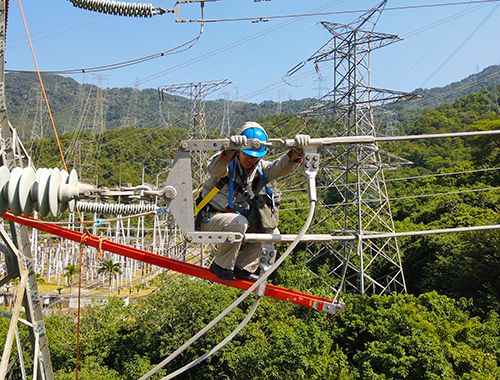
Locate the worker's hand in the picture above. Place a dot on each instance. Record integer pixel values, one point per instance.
(302, 140)
(238, 140)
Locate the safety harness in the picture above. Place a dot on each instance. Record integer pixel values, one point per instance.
(269, 192)
(202, 203)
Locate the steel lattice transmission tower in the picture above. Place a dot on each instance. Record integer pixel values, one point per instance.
(99, 126)
(225, 129)
(356, 200)
(37, 131)
(197, 129)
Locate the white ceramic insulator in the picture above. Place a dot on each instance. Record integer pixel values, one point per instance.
(23, 190)
(4, 180)
(26, 184)
(63, 203)
(13, 191)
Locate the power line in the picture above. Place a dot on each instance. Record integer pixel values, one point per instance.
(462, 44)
(267, 18)
(178, 49)
(331, 205)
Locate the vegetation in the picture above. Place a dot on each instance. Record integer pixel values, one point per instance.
(70, 271)
(79, 108)
(448, 327)
(378, 337)
(110, 269)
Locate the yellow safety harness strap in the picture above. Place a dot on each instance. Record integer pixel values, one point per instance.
(204, 201)
(198, 207)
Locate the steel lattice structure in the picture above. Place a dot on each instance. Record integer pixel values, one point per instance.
(197, 121)
(16, 248)
(356, 200)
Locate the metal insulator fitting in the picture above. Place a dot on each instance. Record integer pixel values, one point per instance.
(170, 193)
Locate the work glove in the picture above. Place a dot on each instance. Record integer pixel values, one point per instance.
(238, 140)
(302, 140)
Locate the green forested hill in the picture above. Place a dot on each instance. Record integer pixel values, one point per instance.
(448, 327)
(80, 107)
(452, 183)
(434, 97)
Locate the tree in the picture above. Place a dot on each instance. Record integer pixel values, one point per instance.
(380, 337)
(70, 271)
(110, 269)
(39, 279)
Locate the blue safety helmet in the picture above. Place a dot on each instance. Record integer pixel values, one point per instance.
(254, 130)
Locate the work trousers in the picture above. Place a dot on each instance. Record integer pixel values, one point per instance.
(228, 255)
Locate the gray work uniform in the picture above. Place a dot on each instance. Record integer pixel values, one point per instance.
(227, 255)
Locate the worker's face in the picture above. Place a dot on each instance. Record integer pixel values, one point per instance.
(247, 161)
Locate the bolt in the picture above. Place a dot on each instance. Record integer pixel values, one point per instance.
(169, 193)
(189, 238)
(184, 145)
(230, 238)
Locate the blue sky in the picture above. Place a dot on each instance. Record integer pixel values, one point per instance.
(441, 44)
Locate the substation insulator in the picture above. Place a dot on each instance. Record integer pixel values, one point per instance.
(24, 190)
(116, 208)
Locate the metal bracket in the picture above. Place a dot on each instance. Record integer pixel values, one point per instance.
(333, 308)
(310, 164)
(213, 237)
(267, 256)
(220, 144)
(181, 204)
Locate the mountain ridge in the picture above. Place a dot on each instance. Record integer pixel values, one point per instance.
(85, 107)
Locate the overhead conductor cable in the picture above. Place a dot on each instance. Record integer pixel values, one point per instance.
(310, 171)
